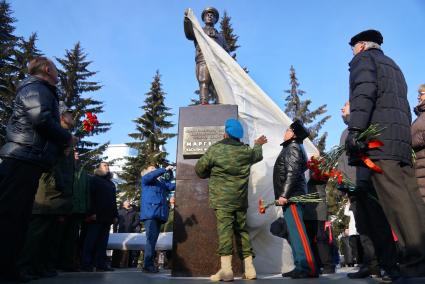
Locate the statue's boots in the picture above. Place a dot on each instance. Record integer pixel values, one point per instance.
(225, 273)
(249, 268)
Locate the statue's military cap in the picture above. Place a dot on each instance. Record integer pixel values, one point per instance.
(211, 10)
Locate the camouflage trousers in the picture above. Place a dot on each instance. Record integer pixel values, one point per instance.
(229, 224)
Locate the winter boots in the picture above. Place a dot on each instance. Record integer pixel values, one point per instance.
(225, 273)
(249, 268)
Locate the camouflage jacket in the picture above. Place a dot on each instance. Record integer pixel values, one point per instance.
(227, 164)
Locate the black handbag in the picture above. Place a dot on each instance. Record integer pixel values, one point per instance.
(279, 228)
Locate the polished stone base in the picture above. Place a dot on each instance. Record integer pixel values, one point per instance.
(195, 234)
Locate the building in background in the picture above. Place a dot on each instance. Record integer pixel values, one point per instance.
(116, 155)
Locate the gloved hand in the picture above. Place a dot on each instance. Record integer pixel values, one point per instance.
(352, 145)
(354, 148)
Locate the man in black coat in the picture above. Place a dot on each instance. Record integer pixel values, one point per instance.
(375, 233)
(102, 213)
(128, 219)
(34, 139)
(128, 222)
(378, 95)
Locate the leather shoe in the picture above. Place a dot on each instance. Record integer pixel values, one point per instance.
(104, 269)
(391, 275)
(86, 269)
(296, 274)
(328, 270)
(150, 269)
(362, 273)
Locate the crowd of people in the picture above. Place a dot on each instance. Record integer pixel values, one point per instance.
(58, 216)
(387, 228)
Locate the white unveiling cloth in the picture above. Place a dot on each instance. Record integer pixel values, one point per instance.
(137, 241)
(352, 224)
(259, 115)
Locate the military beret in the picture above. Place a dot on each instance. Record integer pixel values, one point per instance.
(369, 35)
(234, 128)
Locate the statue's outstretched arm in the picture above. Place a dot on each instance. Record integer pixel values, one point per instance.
(188, 28)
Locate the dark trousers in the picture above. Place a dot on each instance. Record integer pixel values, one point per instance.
(66, 243)
(95, 244)
(356, 248)
(399, 196)
(346, 250)
(375, 232)
(319, 242)
(370, 259)
(36, 255)
(18, 185)
(152, 227)
(300, 244)
(71, 247)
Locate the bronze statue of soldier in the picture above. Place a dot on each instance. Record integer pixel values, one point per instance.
(210, 17)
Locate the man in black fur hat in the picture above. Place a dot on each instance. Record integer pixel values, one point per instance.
(378, 96)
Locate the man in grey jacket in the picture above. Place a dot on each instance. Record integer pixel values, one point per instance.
(33, 140)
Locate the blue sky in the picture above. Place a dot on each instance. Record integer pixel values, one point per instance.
(129, 40)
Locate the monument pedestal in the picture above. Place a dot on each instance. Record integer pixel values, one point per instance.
(195, 238)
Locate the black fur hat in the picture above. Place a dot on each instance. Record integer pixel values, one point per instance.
(369, 35)
(300, 131)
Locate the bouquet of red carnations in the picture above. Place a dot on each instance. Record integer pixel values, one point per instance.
(305, 198)
(321, 171)
(368, 137)
(89, 123)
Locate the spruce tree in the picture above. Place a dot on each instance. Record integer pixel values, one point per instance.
(8, 44)
(296, 108)
(149, 139)
(229, 36)
(27, 50)
(76, 88)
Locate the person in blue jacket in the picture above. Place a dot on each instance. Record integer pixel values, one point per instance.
(154, 209)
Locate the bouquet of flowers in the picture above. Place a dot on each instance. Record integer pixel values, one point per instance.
(370, 141)
(305, 198)
(89, 123)
(323, 170)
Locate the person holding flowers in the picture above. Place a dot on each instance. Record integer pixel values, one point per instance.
(375, 233)
(289, 181)
(378, 96)
(418, 140)
(227, 164)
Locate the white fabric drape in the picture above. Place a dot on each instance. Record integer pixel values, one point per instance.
(259, 115)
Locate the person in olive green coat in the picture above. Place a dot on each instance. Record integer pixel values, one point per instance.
(73, 238)
(52, 206)
(227, 164)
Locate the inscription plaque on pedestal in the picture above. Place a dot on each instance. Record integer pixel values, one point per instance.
(195, 239)
(197, 140)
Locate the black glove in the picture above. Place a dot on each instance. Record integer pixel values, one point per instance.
(353, 145)
(354, 148)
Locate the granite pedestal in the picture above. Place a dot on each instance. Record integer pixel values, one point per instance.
(195, 232)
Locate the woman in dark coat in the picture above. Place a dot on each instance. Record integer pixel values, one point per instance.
(289, 181)
(154, 209)
(418, 140)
